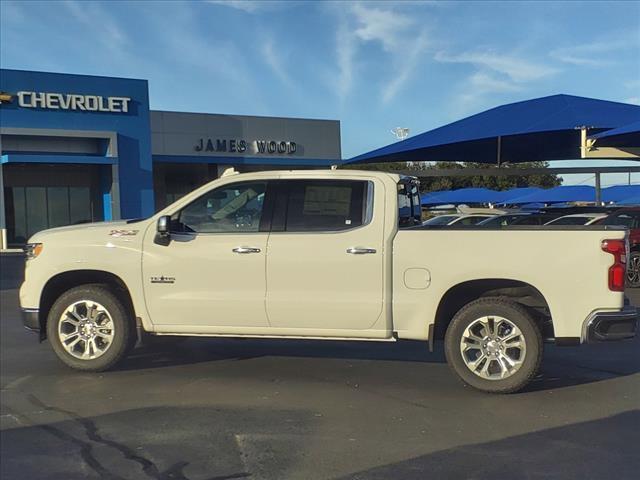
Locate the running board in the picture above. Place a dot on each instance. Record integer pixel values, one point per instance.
(290, 337)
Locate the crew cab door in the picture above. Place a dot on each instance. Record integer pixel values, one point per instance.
(210, 277)
(325, 258)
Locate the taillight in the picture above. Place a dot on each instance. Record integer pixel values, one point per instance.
(617, 271)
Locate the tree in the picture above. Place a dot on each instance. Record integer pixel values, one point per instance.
(448, 183)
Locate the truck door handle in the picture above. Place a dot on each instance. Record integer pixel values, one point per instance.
(246, 250)
(360, 250)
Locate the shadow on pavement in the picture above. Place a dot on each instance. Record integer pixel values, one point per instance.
(605, 448)
(198, 350)
(562, 366)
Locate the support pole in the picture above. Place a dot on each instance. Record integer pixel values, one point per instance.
(499, 152)
(598, 189)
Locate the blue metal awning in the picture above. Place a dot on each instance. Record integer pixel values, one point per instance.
(630, 201)
(618, 194)
(505, 196)
(626, 136)
(562, 194)
(460, 196)
(546, 128)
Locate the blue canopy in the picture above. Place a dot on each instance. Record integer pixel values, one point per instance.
(460, 196)
(626, 136)
(565, 193)
(505, 196)
(619, 193)
(630, 201)
(540, 129)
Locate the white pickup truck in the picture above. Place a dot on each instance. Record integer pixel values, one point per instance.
(333, 254)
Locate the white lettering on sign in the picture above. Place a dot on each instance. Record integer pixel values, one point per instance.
(70, 101)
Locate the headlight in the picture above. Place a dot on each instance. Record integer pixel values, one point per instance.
(32, 250)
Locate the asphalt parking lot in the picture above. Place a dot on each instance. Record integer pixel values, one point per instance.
(228, 409)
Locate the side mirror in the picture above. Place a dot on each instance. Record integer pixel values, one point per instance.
(163, 225)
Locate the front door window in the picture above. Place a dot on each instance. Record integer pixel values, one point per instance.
(231, 209)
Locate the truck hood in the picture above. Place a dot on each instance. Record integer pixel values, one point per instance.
(115, 229)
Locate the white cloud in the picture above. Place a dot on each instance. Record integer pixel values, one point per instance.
(486, 83)
(515, 68)
(273, 58)
(248, 6)
(244, 5)
(345, 53)
(92, 16)
(409, 61)
(634, 100)
(599, 52)
(494, 74)
(385, 26)
(401, 39)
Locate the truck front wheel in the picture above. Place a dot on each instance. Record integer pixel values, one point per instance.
(494, 345)
(89, 328)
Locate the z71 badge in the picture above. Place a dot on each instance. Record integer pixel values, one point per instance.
(163, 279)
(123, 233)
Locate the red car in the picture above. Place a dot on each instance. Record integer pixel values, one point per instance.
(630, 218)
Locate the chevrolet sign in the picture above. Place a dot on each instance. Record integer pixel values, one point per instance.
(69, 101)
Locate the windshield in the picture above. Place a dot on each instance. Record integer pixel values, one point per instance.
(472, 220)
(627, 219)
(500, 220)
(571, 221)
(441, 220)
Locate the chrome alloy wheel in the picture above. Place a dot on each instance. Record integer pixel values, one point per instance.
(86, 329)
(493, 348)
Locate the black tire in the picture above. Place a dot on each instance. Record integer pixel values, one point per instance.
(122, 327)
(633, 271)
(513, 312)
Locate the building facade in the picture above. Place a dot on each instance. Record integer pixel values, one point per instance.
(77, 148)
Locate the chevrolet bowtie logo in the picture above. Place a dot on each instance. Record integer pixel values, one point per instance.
(5, 97)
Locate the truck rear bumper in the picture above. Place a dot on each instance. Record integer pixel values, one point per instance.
(608, 326)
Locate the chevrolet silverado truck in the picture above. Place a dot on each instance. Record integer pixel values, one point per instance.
(335, 255)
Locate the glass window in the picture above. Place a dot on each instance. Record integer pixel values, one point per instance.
(36, 209)
(233, 208)
(626, 219)
(58, 206)
(570, 221)
(531, 220)
(326, 205)
(441, 220)
(19, 234)
(80, 205)
(471, 220)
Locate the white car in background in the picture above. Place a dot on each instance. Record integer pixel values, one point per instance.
(457, 219)
(578, 219)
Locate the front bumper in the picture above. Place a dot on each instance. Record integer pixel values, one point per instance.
(31, 319)
(608, 326)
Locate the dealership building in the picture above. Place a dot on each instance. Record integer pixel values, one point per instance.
(78, 148)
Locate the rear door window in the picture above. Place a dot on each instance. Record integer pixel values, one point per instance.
(326, 205)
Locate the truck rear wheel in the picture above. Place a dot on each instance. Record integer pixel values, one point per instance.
(89, 328)
(633, 270)
(494, 345)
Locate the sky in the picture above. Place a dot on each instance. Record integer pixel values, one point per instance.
(372, 65)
